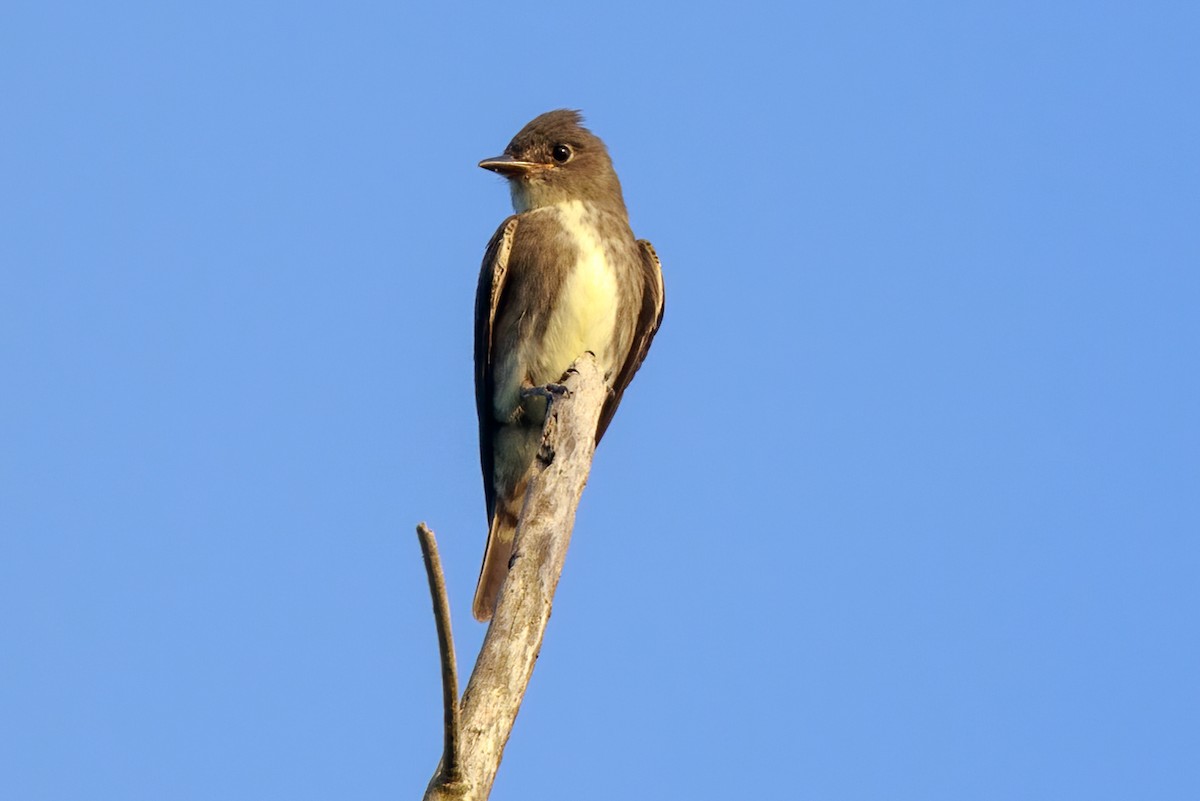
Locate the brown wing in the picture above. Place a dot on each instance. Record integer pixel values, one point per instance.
(649, 319)
(488, 297)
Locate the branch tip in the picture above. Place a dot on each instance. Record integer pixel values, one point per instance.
(451, 772)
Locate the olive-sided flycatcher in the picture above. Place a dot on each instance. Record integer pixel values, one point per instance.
(562, 276)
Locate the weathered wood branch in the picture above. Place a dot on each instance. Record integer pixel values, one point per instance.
(514, 638)
(450, 769)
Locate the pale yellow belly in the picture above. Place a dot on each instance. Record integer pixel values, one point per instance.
(583, 320)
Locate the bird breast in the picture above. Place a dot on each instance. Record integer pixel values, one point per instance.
(584, 317)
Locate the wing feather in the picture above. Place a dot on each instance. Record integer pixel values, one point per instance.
(489, 296)
(649, 319)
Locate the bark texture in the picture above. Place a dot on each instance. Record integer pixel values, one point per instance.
(514, 638)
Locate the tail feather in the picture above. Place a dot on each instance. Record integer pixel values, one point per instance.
(495, 566)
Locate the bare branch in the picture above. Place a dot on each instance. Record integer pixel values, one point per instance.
(449, 772)
(512, 643)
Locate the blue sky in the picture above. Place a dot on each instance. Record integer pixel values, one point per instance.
(903, 504)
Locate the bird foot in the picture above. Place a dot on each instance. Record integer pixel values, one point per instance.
(551, 392)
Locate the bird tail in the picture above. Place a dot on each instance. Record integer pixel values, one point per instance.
(495, 565)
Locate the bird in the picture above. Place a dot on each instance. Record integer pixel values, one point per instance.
(562, 276)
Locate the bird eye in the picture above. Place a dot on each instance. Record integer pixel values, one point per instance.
(561, 153)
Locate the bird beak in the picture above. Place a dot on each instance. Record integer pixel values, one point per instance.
(508, 166)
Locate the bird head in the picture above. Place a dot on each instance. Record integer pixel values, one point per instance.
(554, 159)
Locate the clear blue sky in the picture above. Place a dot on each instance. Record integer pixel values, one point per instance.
(904, 504)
